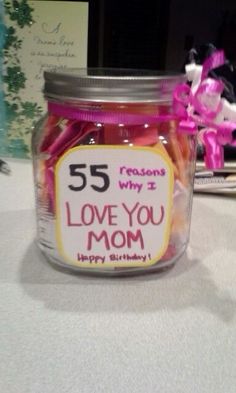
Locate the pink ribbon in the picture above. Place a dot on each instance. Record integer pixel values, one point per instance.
(225, 131)
(203, 99)
(216, 60)
(191, 109)
(201, 108)
(106, 117)
(214, 157)
(181, 100)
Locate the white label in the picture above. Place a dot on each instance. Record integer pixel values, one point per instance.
(113, 205)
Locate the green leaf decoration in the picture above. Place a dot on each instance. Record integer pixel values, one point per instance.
(11, 112)
(30, 110)
(20, 12)
(15, 79)
(20, 116)
(10, 37)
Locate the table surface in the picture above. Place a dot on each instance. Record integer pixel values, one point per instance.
(68, 334)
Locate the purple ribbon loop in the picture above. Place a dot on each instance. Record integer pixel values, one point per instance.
(225, 131)
(207, 99)
(181, 98)
(216, 60)
(214, 157)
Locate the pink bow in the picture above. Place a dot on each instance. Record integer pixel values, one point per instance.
(201, 108)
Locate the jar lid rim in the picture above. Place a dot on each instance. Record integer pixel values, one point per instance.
(110, 84)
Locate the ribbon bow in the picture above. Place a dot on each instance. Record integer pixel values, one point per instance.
(201, 105)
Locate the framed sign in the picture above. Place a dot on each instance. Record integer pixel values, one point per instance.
(39, 35)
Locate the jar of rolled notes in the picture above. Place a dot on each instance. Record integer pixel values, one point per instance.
(113, 172)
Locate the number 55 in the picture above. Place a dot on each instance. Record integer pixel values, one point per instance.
(95, 171)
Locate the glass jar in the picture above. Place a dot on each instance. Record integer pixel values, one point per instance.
(113, 175)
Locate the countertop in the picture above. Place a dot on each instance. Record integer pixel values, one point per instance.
(174, 333)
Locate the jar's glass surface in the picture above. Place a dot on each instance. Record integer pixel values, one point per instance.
(55, 135)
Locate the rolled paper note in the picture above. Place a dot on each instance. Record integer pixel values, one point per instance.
(174, 149)
(73, 134)
(72, 129)
(51, 133)
(170, 253)
(144, 135)
(49, 179)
